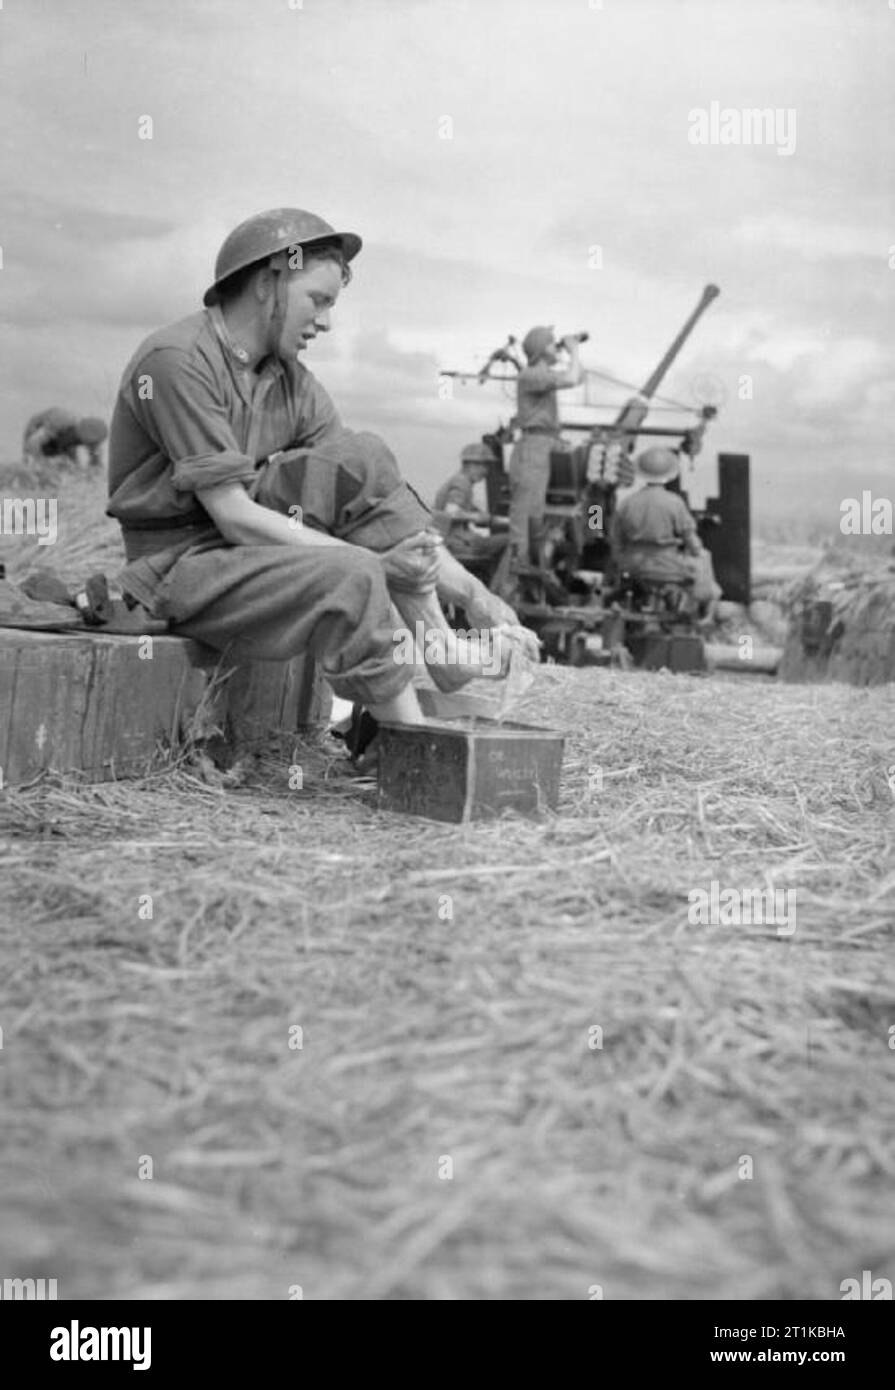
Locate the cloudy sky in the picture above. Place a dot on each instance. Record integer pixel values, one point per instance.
(568, 125)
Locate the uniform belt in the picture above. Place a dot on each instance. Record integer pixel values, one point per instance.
(166, 523)
(653, 545)
(540, 429)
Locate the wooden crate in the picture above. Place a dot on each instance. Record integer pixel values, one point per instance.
(89, 703)
(473, 771)
(671, 651)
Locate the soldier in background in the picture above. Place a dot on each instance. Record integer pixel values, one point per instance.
(457, 515)
(57, 436)
(653, 534)
(537, 417)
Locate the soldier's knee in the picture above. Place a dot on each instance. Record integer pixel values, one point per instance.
(367, 468)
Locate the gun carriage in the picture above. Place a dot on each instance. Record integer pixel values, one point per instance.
(565, 587)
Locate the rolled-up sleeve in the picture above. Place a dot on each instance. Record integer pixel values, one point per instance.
(458, 494)
(187, 417)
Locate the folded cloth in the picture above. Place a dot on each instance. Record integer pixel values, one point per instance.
(45, 586)
(486, 697)
(17, 609)
(93, 602)
(44, 601)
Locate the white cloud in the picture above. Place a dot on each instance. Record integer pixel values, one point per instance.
(814, 238)
(785, 347)
(840, 374)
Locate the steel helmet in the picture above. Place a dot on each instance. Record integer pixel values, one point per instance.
(535, 341)
(658, 465)
(476, 453)
(269, 232)
(91, 430)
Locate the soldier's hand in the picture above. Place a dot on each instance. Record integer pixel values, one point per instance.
(413, 562)
(484, 610)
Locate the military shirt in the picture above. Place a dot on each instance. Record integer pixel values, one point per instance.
(191, 415)
(457, 492)
(536, 405)
(653, 516)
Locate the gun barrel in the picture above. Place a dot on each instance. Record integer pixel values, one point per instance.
(635, 411)
(653, 382)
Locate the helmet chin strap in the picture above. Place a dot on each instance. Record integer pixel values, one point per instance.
(278, 313)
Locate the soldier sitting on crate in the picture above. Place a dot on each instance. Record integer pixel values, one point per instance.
(537, 417)
(253, 520)
(457, 516)
(653, 535)
(56, 436)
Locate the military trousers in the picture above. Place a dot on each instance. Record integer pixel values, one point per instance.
(529, 476)
(271, 602)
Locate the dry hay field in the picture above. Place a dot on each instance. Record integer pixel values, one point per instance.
(450, 1127)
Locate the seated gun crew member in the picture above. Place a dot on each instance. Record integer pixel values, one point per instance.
(253, 520)
(56, 435)
(538, 418)
(653, 534)
(456, 513)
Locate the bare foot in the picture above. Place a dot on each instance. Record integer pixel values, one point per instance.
(451, 661)
(403, 708)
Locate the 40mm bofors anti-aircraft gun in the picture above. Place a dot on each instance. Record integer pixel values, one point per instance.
(565, 588)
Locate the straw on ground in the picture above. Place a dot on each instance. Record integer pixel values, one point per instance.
(447, 982)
